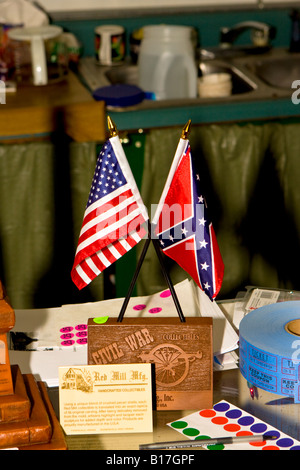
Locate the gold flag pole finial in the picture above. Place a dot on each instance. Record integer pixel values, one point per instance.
(113, 131)
(186, 130)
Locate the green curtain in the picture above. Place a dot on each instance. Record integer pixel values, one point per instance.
(251, 179)
(43, 192)
(26, 218)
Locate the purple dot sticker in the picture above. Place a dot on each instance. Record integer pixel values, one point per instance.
(246, 420)
(81, 327)
(285, 442)
(259, 427)
(155, 310)
(233, 414)
(66, 329)
(221, 406)
(165, 294)
(139, 307)
(273, 432)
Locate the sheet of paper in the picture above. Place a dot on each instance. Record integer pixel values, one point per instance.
(106, 399)
(225, 338)
(260, 298)
(224, 420)
(36, 325)
(44, 364)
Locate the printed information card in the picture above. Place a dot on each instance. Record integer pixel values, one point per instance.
(105, 399)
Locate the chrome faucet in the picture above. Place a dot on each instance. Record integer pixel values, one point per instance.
(262, 32)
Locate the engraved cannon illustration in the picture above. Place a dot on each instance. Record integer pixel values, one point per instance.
(171, 363)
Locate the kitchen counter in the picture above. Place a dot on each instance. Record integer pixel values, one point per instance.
(35, 112)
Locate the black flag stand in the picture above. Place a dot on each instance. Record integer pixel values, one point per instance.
(164, 271)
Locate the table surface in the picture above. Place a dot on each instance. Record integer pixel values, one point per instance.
(280, 412)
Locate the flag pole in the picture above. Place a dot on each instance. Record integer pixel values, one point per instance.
(168, 280)
(134, 279)
(179, 151)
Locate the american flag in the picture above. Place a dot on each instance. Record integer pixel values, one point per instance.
(114, 215)
(184, 229)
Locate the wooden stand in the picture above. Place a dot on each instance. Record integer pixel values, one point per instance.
(27, 418)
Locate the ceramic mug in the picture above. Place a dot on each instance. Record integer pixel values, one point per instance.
(109, 44)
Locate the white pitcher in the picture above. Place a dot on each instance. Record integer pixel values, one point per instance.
(166, 63)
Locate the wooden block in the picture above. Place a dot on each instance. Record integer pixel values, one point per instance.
(6, 383)
(13, 434)
(7, 322)
(15, 407)
(57, 441)
(181, 354)
(39, 424)
(7, 314)
(35, 430)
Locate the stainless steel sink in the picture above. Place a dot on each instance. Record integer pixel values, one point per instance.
(265, 77)
(123, 74)
(278, 72)
(241, 83)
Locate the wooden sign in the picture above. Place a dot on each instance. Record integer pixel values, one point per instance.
(181, 353)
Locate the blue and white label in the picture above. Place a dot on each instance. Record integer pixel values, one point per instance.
(269, 372)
